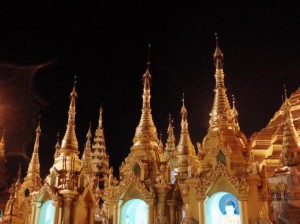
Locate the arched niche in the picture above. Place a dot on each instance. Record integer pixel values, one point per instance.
(134, 211)
(47, 213)
(222, 208)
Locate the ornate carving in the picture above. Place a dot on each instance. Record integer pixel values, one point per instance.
(184, 189)
(239, 184)
(50, 191)
(131, 179)
(87, 189)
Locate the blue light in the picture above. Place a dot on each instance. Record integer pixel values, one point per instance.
(134, 211)
(215, 207)
(47, 213)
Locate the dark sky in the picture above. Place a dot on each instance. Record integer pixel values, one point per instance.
(106, 47)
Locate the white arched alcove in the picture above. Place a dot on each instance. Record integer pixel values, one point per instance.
(134, 211)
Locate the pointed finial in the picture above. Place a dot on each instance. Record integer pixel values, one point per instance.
(57, 145)
(217, 39)
(148, 59)
(39, 124)
(101, 107)
(75, 80)
(282, 98)
(285, 91)
(233, 100)
(73, 93)
(218, 55)
(183, 98)
(89, 134)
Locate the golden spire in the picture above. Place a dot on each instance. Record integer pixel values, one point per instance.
(218, 55)
(99, 140)
(2, 145)
(69, 142)
(170, 144)
(57, 146)
(146, 131)
(171, 138)
(18, 182)
(87, 153)
(100, 159)
(100, 117)
(234, 112)
(291, 140)
(34, 165)
(221, 111)
(161, 144)
(185, 146)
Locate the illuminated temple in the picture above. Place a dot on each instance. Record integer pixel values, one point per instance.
(225, 179)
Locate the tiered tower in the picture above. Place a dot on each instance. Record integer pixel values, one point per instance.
(170, 150)
(100, 158)
(185, 149)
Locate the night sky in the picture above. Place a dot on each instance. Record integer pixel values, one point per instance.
(44, 46)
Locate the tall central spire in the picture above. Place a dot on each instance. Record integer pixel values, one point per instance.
(221, 114)
(69, 142)
(146, 131)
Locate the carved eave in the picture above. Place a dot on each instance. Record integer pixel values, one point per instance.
(131, 180)
(206, 182)
(88, 192)
(25, 202)
(52, 192)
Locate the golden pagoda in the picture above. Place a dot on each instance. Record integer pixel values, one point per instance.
(228, 179)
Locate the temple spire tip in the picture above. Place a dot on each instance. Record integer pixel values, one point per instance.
(148, 58)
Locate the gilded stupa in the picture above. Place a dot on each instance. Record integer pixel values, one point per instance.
(226, 178)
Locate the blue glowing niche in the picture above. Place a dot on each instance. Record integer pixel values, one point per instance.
(134, 211)
(47, 213)
(222, 208)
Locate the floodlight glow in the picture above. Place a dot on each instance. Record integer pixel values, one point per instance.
(47, 213)
(135, 211)
(216, 208)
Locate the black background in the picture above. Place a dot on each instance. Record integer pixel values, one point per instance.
(105, 46)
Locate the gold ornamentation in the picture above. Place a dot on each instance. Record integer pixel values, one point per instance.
(92, 195)
(239, 184)
(51, 191)
(131, 179)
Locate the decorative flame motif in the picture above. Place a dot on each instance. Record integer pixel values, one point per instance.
(239, 184)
